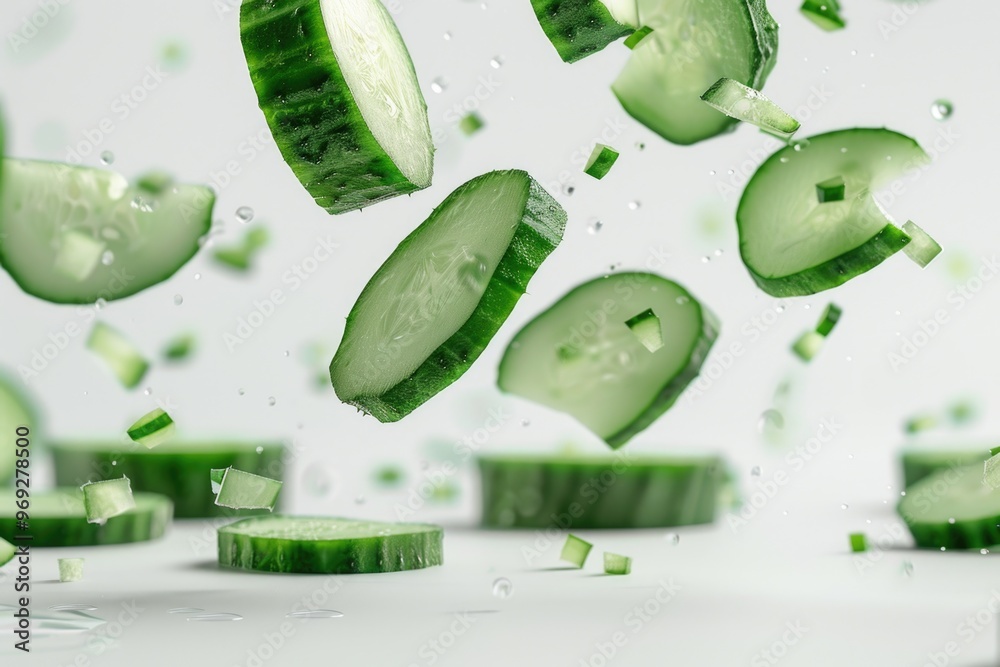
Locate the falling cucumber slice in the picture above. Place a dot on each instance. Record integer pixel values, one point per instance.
(922, 249)
(750, 106)
(829, 319)
(339, 92)
(327, 545)
(471, 123)
(535, 491)
(832, 189)
(600, 162)
(179, 348)
(118, 353)
(691, 46)
(646, 327)
(17, 419)
(633, 40)
(953, 509)
(107, 499)
(152, 429)
(808, 345)
(7, 551)
(793, 245)
(579, 28)
(215, 477)
(77, 234)
(176, 469)
(240, 490)
(919, 463)
(580, 358)
(70, 569)
(824, 13)
(617, 564)
(433, 306)
(240, 256)
(58, 519)
(575, 550)
(859, 542)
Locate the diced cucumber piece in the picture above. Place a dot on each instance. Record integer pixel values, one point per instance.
(176, 469)
(953, 509)
(859, 542)
(793, 245)
(921, 462)
(152, 429)
(339, 92)
(7, 551)
(179, 348)
(103, 500)
(240, 256)
(920, 423)
(578, 28)
(824, 13)
(750, 106)
(433, 306)
(240, 490)
(535, 491)
(58, 519)
(471, 123)
(692, 46)
(17, 413)
(215, 477)
(328, 545)
(832, 189)
(616, 564)
(70, 569)
(633, 40)
(922, 249)
(600, 162)
(77, 234)
(609, 382)
(118, 353)
(829, 319)
(808, 345)
(646, 327)
(575, 550)
(962, 412)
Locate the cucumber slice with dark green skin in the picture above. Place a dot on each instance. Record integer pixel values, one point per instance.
(579, 28)
(76, 234)
(824, 13)
(581, 492)
(919, 463)
(433, 306)
(794, 245)
(58, 519)
(692, 46)
(953, 509)
(16, 413)
(581, 358)
(178, 470)
(327, 545)
(339, 92)
(751, 106)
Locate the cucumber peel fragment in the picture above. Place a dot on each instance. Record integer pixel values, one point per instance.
(152, 429)
(121, 357)
(859, 542)
(832, 189)
(179, 348)
(633, 40)
(471, 123)
(600, 162)
(824, 13)
(107, 499)
(240, 490)
(70, 569)
(750, 106)
(579, 28)
(617, 564)
(829, 319)
(646, 327)
(922, 249)
(575, 550)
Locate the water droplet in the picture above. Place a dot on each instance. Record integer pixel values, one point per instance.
(496, 62)
(706, 259)
(639, 146)
(142, 204)
(673, 538)
(783, 160)
(315, 613)
(99, 304)
(360, 500)
(447, 37)
(595, 227)
(755, 471)
(770, 419)
(502, 588)
(178, 299)
(984, 551)
(941, 109)
(843, 506)
(107, 157)
(634, 205)
(854, 52)
(681, 300)
(439, 85)
(73, 607)
(718, 252)
(908, 567)
(241, 391)
(473, 272)
(197, 276)
(711, 172)
(526, 422)
(951, 520)
(184, 610)
(215, 617)
(244, 214)
(569, 189)
(259, 450)
(271, 400)
(147, 391)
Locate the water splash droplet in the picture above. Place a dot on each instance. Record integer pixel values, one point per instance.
(259, 450)
(756, 471)
(843, 506)
(439, 85)
(315, 613)
(271, 400)
(502, 588)
(215, 617)
(673, 538)
(185, 610)
(244, 214)
(73, 607)
(447, 36)
(595, 227)
(107, 157)
(178, 299)
(770, 420)
(496, 62)
(941, 109)
(360, 500)
(634, 205)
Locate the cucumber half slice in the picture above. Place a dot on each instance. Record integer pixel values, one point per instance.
(578, 28)
(339, 92)
(326, 545)
(953, 509)
(76, 234)
(751, 106)
(580, 356)
(692, 46)
(433, 306)
(919, 463)
(598, 492)
(58, 519)
(16, 413)
(794, 245)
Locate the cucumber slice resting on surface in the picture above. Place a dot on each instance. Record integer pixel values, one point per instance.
(953, 509)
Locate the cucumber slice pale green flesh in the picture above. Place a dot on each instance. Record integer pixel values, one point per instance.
(581, 493)
(575, 550)
(433, 306)
(824, 13)
(122, 358)
(70, 569)
(580, 357)
(152, 429)
(750, 106)
(601, 160)
(953, 509)
(829, 319)
(7, 551)
(808, 345)
(178, 470)
(793, 245)
(240, 490)
(692, 46)
(327, 545)
(106, 499)
(579, 28)
(922, 249)
(16, 412)
(58, 519)
(920, 463)
(617, 564)
(646, 328)
(339, 92)
(55, 217)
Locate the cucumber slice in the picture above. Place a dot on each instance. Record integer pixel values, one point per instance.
(70, 569)
(832, 189)
(920, 463)
(952, 509)
(600, 162)
(59, 224)
(433, 306)
(859, 542)
(578, 356)
(327, 545)
(575, 550)
(922, 249)
(180, 348)
(152, 429)
(240, 490)
(750, 106)
(579, 28)
(633, 40)
(121, 357)
(691, 47)
(16, 414)
(339, 92)
(7, 551)
(616, 564)
(790, 243)
(829, 319)
(808, 345)
(646, 327)
(176, 469)
(471, 123)
(824, 13)
(58, 519)
(605, 492)
(240, 256)
(107, 499)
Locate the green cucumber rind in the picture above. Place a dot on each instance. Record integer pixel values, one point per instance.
(318, 128)
(142, 428)
(368, 555)
(959, 533)
(578, 28)
(536, 236)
